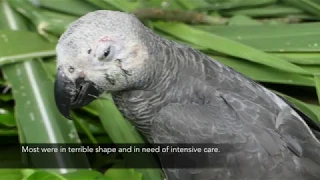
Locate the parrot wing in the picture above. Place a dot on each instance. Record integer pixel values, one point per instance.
(250, 145)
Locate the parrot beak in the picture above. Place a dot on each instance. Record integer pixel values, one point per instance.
(70, 94)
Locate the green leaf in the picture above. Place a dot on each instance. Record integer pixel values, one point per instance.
(44, 175)
(226, 46)
(88, 124)
(79, 175)
(124, 5)
(242, 20)
(7, 117)
(27, 172)
(311, 58)
(84, 126)
(119, 129)
(35, 107)
(302, 37)
(90, 110)
(315, 69)
(264, 73)
(85, 175)
(121, 174)
(34, 104)
(10, 174)
(311, 6)
(50, 66)
(16, 46)
(102, 4)
(46, 25)
(79, 8)
(56, 23)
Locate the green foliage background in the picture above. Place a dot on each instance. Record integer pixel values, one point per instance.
(275, 42)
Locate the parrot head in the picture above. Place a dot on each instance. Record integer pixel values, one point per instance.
(103, 51)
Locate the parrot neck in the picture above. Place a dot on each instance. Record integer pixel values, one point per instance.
(172, 75)
(162, 66)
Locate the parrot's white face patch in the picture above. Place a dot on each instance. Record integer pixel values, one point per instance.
(110, 62)
(106, 48)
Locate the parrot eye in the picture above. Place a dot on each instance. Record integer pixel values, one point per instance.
(106, 52)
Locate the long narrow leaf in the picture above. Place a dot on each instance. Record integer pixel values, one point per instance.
(44, 23)
(227, 46)
(11, 53)
(311, 6)
(34, 103)
(301, 58)
(264, 73)
(273, 38)
(79, 8)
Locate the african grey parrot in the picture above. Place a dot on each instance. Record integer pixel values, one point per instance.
(175, 94)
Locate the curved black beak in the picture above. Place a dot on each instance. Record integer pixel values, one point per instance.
(70, 94)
